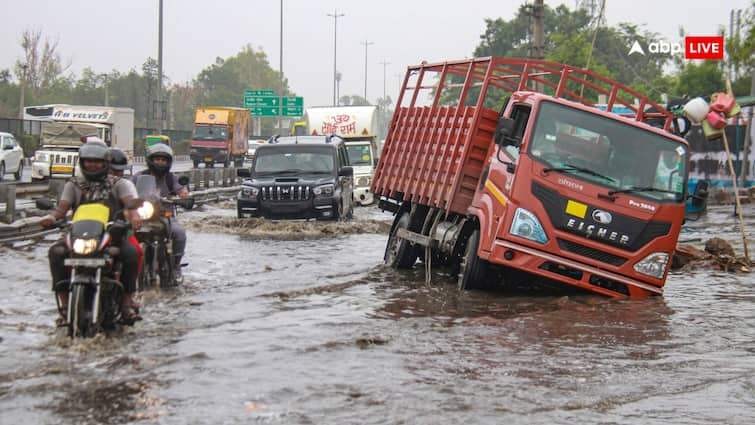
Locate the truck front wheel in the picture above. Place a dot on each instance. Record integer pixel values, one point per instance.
(475, 272)
(399, 253)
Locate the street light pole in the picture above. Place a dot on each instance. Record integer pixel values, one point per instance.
(335, 17)
(385, 64)
(365, 43)
(23, 89)
(160, 71)
(280, 106)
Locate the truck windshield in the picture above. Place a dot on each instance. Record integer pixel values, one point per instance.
(282, 162)
(210, 132)
(609, 153)
(359, 154)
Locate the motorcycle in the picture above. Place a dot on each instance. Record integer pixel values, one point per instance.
(94, 288)
(154, 233)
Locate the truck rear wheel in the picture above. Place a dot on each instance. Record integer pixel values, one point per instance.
(474, 272)
(399, 253)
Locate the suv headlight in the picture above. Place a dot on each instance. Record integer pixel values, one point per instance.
(324, 190)
(654, 265)
(84, 246)
(363, 181)
(526, 225)
(249, 192)
(39, 156)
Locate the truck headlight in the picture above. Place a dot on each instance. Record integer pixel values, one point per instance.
(39, 156)
(146, 211)
(654, 265)
(84, 246)
(526, 225)
(324, 190)
(363, 181)
(249, 192)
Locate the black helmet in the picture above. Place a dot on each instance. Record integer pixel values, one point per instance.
(98, 151)
(118, 159)
(159, 150)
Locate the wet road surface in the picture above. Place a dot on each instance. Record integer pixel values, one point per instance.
(310, 329)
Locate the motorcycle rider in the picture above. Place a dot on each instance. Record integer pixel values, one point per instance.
(159, 161)
(96, 186)
(118, 164)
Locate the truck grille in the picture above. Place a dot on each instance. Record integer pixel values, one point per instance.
(586, 251)
(285, 193)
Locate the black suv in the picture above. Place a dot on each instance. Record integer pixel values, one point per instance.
(298, 177)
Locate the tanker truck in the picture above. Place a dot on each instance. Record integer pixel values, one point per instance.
(357, 125)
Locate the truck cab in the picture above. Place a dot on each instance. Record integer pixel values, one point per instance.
(508, 172)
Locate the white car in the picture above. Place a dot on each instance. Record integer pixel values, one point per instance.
(11, 156)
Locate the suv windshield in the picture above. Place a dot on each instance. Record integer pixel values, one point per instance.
(282, 161)
(210, 132)
(609, 153)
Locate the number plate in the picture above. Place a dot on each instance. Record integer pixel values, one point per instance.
(85, 262)
(208, 158)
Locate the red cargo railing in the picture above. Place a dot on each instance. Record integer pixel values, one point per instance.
(436, 144)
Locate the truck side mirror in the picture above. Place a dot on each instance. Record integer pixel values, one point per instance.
(243, 172)
(503, 131)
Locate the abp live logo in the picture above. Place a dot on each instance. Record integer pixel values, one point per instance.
(704, 47)
(695, 47)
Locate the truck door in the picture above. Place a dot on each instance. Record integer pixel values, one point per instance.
(508, 151)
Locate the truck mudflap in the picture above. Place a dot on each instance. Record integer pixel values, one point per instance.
(569, 271)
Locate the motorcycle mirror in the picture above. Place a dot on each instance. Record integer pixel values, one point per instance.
(183, 180)
(44, 204)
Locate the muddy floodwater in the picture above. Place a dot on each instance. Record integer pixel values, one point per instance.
(300, 323)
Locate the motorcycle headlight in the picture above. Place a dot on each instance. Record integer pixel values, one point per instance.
(249, 192)
(527, 225)
(324, 190)
(146, 211)
(84, 246)
(654, 265)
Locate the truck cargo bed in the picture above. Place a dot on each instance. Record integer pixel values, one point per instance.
(437, 155)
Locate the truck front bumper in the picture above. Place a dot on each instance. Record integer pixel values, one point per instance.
(570, 272)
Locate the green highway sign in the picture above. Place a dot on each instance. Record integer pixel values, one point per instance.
(293, 111)
(264, 111)
(249, 92)
(293, 101)
(252, 101)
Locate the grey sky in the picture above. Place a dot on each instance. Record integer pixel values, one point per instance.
(120, 35)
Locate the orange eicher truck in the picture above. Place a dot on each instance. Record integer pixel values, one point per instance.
(221, 135)
(504, 168)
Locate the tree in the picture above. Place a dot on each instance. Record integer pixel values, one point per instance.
(41, 66)
(701, 79)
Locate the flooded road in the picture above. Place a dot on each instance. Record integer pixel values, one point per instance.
(276, 324)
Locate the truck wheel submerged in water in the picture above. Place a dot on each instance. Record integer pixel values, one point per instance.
(399, 253)
(474, 272)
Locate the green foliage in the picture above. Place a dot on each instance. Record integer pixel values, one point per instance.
(701, 79)
(28, 143)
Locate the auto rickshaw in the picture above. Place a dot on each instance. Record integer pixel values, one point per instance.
(153, 139)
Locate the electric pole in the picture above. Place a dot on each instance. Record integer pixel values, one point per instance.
(335, 17)
(366, 44)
